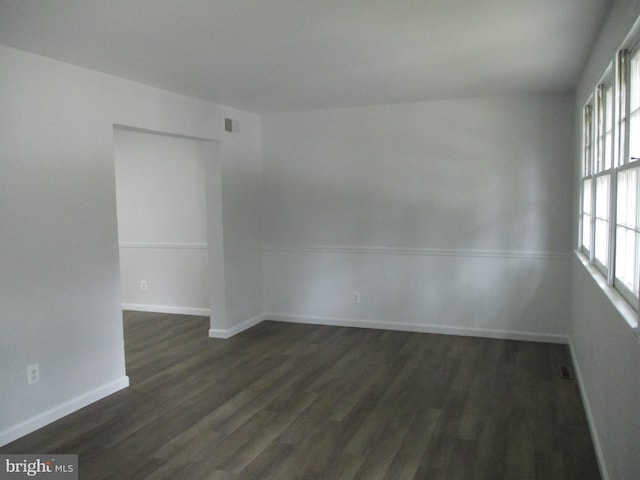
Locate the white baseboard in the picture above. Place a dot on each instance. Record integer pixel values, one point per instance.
(420, 328)
(230, 332)
(138, 307)
(62, 410)
(398, 326)
(592, 424)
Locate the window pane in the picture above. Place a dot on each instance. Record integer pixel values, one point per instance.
(608, 145)
(622, 82)
(602, 220)
(627, 204)
(620, 154)
(634, 103)
(586, 196)
(627, 242)
(586, 214)
(602, 197)
(587, 132)
(634, 136)
(608, 102)
(608, 128)
(586, 232)
(602, 241)
(599, 129)
(634, 86)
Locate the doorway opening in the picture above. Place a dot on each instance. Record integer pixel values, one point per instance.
(169, 215)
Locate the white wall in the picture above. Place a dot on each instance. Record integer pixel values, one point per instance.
(242, 201)
(447, 216)
(606, 352)
(59, 276)
(162, 221)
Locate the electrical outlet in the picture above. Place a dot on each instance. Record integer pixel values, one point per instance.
(355, 297)
(33, 373)
(143, 284)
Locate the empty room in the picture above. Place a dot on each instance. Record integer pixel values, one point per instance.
(358, 239)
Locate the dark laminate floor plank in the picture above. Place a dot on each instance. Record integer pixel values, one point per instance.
(407, 460)
(286, 401)
(268, 461)
(381, 454)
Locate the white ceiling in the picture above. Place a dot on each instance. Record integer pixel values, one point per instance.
(273, 55)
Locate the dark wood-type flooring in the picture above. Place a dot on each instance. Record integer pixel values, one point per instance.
(286, 401)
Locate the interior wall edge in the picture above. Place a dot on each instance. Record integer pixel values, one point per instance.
(225, 333)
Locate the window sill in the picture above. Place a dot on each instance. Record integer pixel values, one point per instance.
(625, 310)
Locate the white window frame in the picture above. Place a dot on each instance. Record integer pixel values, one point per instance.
(624, 162)
(594, 131)
(600, 170)
(595, 147)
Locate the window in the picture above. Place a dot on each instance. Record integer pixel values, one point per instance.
(587, 151)
(610, 180)
(627, 251)
(634, 110)
(604, 127)
(601, 247)
(602, 175)
(628, 233)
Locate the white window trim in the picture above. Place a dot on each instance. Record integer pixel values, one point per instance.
(627, 304)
